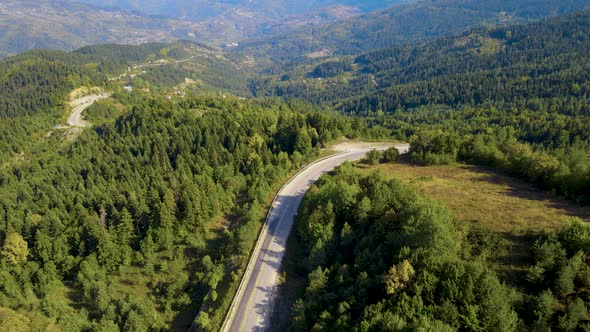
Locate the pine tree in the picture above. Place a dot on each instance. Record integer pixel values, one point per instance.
(125, 228)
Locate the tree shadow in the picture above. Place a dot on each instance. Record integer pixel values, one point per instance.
(286, 202)
(513, 266)
(262, 309)
(74, 295)
(274, 264)
(293, 287)
(524, 190)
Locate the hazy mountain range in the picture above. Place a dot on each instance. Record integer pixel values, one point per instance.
(198, 10)
(68, 24)
(285, 30)
(141, 211)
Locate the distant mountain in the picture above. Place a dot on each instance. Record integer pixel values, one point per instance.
(69, 24)
(167, 65)
(93, 65)
(34, 85)
(397, 25)
(64, 25)
(198, 10)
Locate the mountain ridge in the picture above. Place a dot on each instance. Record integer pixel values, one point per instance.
(70, 24)
(483, 63)
(396, 25)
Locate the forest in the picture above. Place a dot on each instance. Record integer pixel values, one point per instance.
(148, 217)
(34, 86)
(504, 66)
(378, 256)
(140, 194)
(33, 89)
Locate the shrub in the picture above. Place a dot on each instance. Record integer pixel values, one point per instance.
(390, 155)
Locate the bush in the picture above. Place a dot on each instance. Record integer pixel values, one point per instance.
(372, 157)
(390, 155)
(432, 159)
(435, 148)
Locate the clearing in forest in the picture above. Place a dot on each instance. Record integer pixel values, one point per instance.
(480, 196)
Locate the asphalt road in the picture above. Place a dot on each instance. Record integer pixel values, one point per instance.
(251, 307)
(80, 104)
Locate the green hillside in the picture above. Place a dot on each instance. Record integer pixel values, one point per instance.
(137, 197)
(35, 84)
(515, 98)
(397, 25)
(515, 65)
(501, 66)
(145, 218)
(33, 89)
(372, 253)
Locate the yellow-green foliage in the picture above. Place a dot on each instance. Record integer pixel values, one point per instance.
(15, 249)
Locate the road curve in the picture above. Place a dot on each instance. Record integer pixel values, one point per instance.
(251, 307)
(79, 105)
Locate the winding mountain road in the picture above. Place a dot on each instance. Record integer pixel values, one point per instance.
(165, 62)
(251, 307)
(79, 105)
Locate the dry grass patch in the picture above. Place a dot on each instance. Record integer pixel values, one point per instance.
(84, 91)
(479, 196)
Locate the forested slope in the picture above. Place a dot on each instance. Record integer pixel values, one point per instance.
(413, 22)
(34, 85)
(499, 65)
(537, 63)
(522, 109)
(150, 215)
(515, 98)
(33, 89)
(378, 256)
(157, 65)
